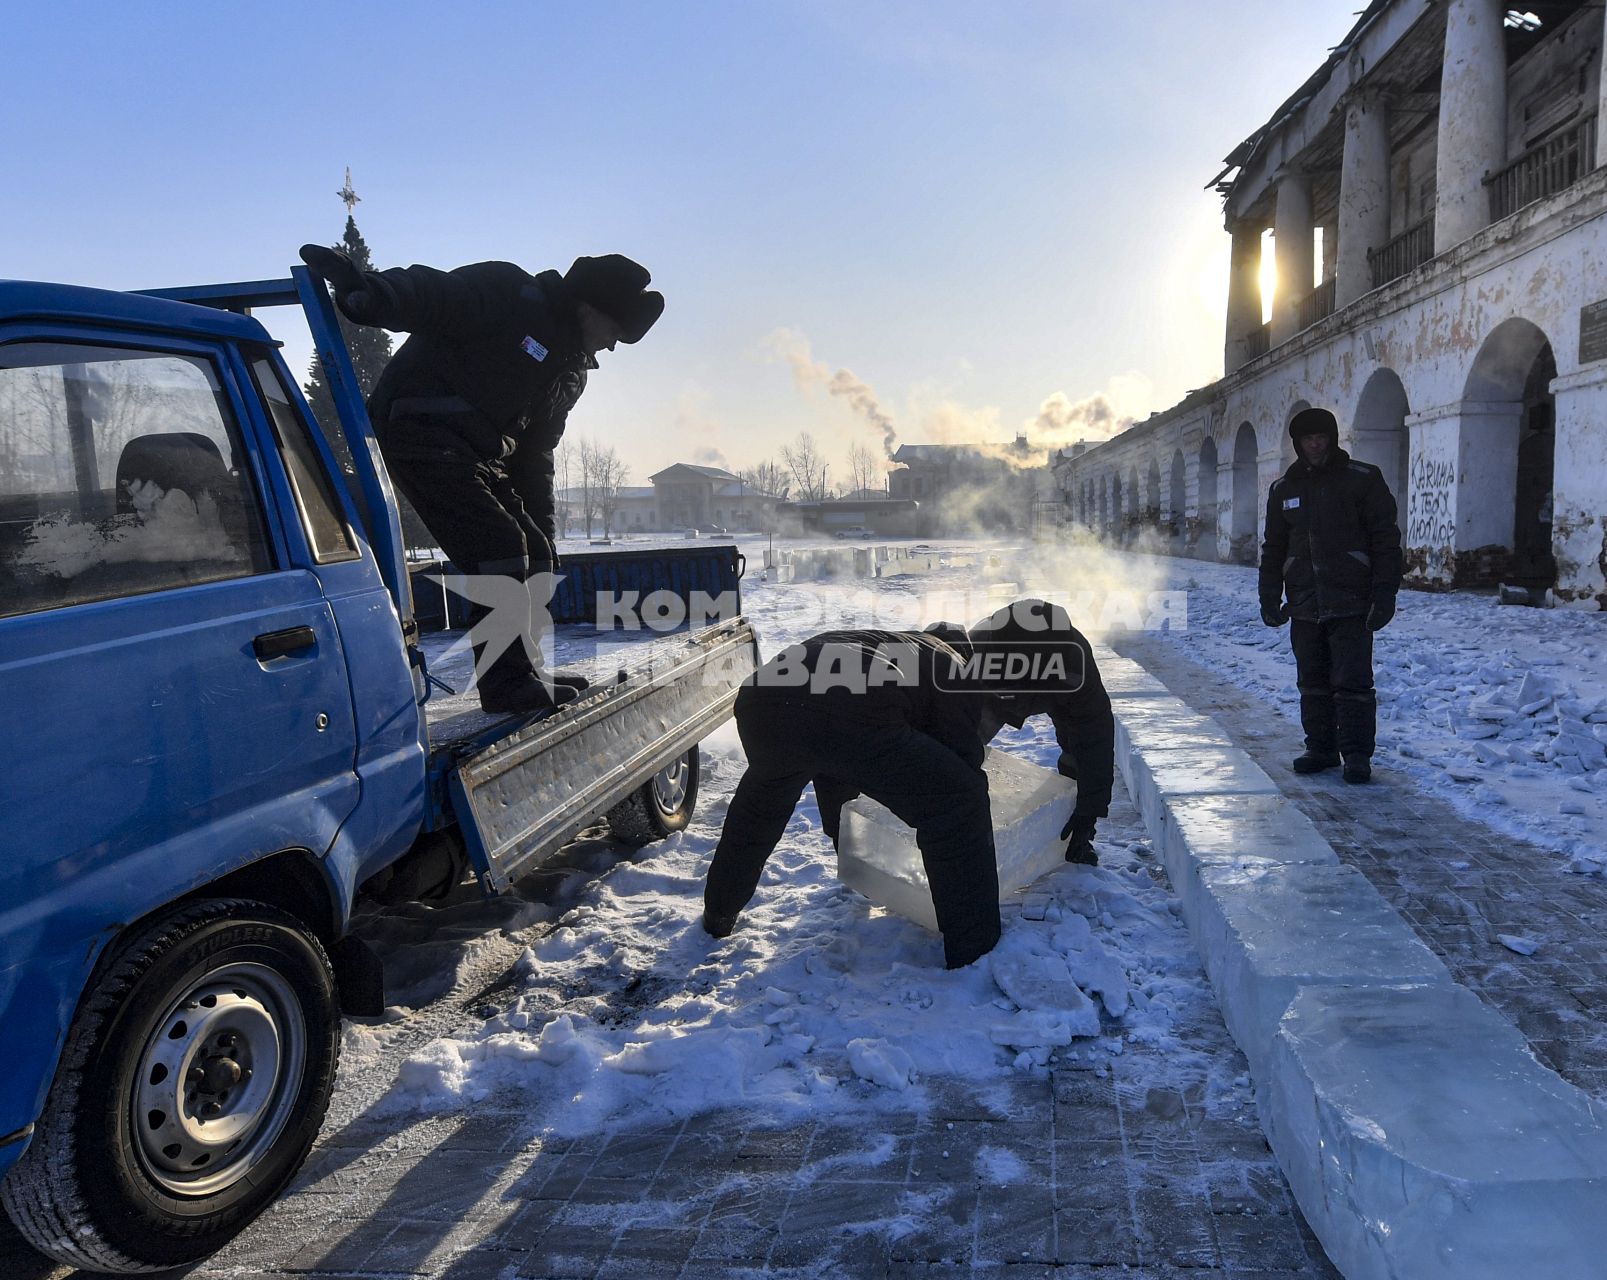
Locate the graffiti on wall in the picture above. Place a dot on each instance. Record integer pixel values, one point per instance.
(1430, 520)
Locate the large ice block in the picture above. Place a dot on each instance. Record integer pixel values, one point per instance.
(1158, 775)
(1266, 932)
(1161, 722)
(1124, 678)
(877, 854)
(1234, 831)
(1424, 1141)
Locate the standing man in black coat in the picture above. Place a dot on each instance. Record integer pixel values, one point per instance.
(1333, 547)
(469, 412)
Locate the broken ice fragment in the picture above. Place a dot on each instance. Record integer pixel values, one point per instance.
(1513, 942)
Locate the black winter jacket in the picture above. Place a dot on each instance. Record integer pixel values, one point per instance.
(494, 357)
(840, 671)
(1332, 544)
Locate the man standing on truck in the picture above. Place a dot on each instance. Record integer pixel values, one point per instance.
(469, 411)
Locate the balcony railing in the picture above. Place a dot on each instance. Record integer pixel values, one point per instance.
(1317, 304)
(1257, 342)
(1543, 170)
(1407, 251)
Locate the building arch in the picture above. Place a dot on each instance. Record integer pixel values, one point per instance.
(1246, 495)
(1378, 428)
(1206, 500)
(1500, 517)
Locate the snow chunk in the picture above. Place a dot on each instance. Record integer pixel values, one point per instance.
(880, 1063)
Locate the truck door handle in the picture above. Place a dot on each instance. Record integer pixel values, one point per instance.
(278, 644)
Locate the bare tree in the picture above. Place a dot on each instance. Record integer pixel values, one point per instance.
(807, 466)
(563, 464)
(768, 478)
(610, 472)
(864, 468)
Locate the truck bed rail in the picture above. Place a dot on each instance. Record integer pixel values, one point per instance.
(521, 798)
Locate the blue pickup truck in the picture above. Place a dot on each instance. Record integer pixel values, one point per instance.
(221, 732)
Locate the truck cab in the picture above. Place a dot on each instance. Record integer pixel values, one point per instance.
(219, 707)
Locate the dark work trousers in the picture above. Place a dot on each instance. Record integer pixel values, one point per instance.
(1334, 670)
(790, 742)
(477, 516)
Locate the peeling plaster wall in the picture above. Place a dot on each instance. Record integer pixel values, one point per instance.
(1434, 330)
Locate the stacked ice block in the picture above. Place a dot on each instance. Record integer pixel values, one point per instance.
(877, 854)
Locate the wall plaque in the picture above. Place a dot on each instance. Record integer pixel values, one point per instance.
(1593, 332)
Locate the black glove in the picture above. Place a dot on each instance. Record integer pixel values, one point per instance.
(351, 296)
(1274, 615)
(1078, 833)
(1382, 611)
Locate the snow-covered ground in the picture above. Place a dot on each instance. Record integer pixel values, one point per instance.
(623, 1010)
(1502, 710)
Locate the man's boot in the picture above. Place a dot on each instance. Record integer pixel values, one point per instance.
(718, 926)
(1309, 761)
(511, 686)
(1358, 769)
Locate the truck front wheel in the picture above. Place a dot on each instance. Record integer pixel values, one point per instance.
(191, 1087)
(661, 806)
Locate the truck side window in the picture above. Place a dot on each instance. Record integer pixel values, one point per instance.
(327, 531)
(121, 473)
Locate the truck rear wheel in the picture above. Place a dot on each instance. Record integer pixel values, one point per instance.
(191, 1087)
(661, 806)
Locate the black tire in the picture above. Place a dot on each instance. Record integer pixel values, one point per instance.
(661, 806)
(97, 1192)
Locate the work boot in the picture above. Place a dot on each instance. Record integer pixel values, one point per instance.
(578, 683)
(718, 926)
(1310, 761)
(526, 697)
(1358, 769)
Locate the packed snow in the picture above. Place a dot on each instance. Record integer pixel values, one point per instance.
(1502, 710)
(623, 1009)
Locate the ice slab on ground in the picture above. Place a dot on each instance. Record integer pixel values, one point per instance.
(878, 857)
(1123, 678)
(1234, 831)
(1423, 1140)
(1161, 722)
(1266, 932)
(1159, 775)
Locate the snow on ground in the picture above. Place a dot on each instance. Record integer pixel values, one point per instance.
(818, 1002)
(1501, 710)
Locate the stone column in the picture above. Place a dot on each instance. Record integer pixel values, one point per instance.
(1363, 197)
(1292, 230)
(1456, 515)
(1579, 488)
(1473, 118)
(1244, 294)
(1601, 111)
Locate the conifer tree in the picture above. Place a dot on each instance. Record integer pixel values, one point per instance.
(370, 347)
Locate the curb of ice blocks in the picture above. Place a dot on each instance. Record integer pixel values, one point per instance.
(1420, 1136)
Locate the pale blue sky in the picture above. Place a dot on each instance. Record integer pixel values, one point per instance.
(970, 206)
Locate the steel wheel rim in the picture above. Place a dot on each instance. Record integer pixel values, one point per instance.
(669, 786)
(217, 1079)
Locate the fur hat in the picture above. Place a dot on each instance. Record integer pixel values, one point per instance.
(617, 287)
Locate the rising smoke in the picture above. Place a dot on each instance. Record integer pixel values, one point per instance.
(811, 375)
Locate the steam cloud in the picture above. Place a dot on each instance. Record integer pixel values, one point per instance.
(1062, 420)
(844, 384)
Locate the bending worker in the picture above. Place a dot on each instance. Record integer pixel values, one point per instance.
(825, 711)
(469, 412)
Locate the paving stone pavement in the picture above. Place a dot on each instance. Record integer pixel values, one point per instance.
(1116, 1177)
(1457, 882)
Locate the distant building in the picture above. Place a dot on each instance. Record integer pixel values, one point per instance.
(1455, 320)
(681, 496)
(969, 488)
